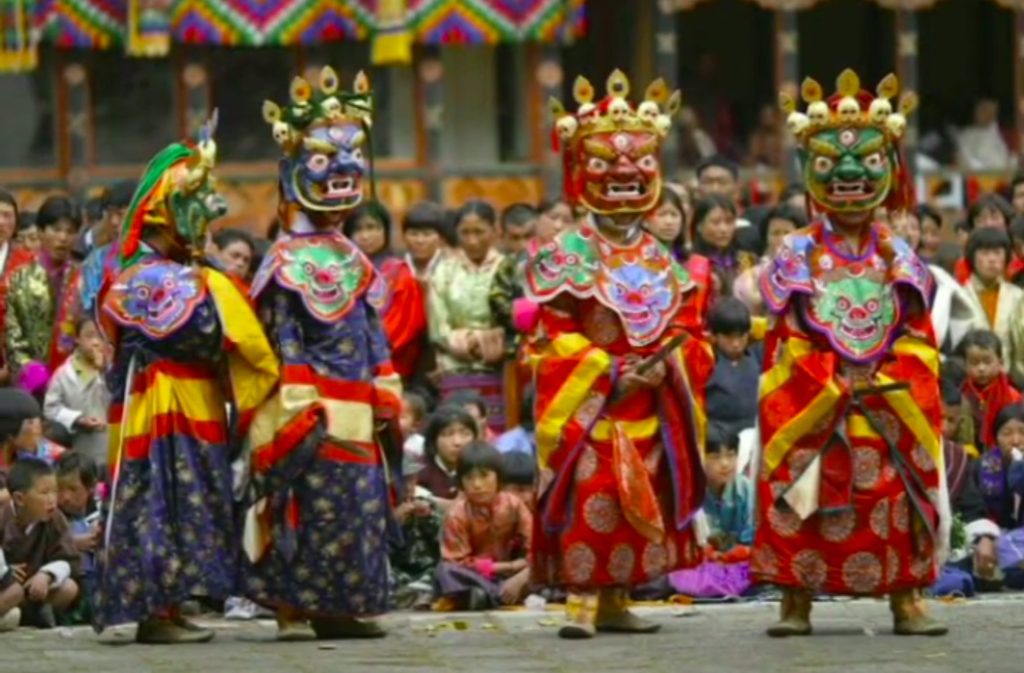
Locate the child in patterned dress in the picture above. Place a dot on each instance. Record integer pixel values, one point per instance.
(486, 538)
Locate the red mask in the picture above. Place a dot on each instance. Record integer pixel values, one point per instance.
(618, 171)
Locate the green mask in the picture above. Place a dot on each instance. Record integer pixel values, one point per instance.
(193, 211)
(849, 169)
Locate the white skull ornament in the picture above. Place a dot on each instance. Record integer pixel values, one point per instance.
(897, 124)
(566, 127)
(797, 123)
(648, 111)
(282, 133)
(879, 111)
(848, 110)
(618, 110)
(817, 113)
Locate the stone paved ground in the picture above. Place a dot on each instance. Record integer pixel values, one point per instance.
(852, 637)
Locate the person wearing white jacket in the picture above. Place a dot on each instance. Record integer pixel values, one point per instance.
(77, 397)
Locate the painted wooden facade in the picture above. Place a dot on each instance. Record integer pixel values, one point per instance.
(462, 84)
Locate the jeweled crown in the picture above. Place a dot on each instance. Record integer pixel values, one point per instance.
(615, 112)
(311, 107)
(849, 106)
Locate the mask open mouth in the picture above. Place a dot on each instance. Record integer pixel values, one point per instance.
(162, 310)
(860, 330)
(326, 294)
(625, 191)
(340, 187)
(858, 190)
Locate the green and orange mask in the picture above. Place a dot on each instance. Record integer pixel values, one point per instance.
(849, 169)
(849, 145)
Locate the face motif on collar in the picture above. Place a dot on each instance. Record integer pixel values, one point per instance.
(155, 297)
(327, 173)
(849, 169)
(327, 275)
(641, 293)
(858, 312)
(619, 172)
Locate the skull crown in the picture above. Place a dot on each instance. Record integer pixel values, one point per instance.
(849, 106)
(312, 106)
(615, 112)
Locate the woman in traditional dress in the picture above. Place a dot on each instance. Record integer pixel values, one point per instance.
(402, 307)
(463, 326)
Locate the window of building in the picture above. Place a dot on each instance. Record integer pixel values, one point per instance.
(240, 80)
(29, 123)
(133, 106)
(485, 92)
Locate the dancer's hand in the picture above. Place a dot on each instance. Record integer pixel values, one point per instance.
(655, 375)
(631, 379)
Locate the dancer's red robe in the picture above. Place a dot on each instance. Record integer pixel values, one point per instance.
(627, 475)
(849, 502)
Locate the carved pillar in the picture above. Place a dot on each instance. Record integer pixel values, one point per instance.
(906, 71)
(77, 152)
(666, 66)
(431, 74)
(195, 94)
(550, 76)
(787, 78)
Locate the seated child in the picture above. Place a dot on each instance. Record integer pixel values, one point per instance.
(987, 388)
(519, 470)
(732, 389)
(474, 404)
(965, 502)
(965, 498)
(523, 437)
(995, 540)
(415, 559)
(76, 484)
(15, 406)
(39, 561)
(450, 429)
(414, 414)
(486, 538)
(22, 410)
(728, 504)
(77, 397)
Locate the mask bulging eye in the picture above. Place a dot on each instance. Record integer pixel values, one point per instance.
(318, 163)
(874, 161)
(823, 164)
